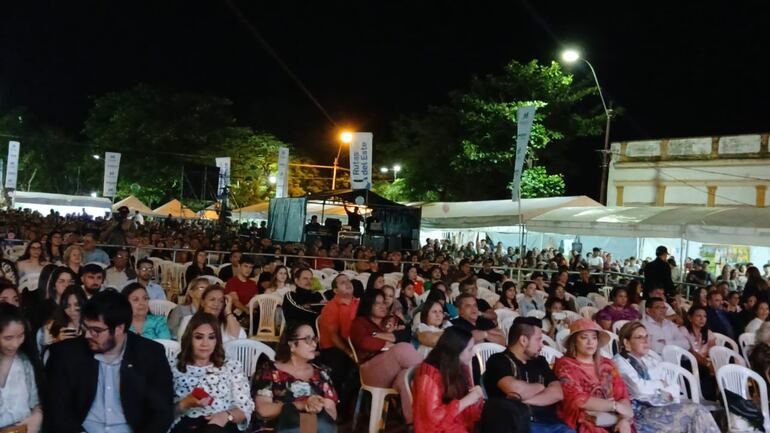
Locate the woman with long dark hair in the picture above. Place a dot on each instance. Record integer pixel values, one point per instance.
(376, 281)
(508, 297)
(444, 398)
(293, 384)
(701, 339)
(20, 373)
(33, 259)
(198, 267)
(433, 321)
(53, 247)
(211, 393)
(67, 321)
(755, 284)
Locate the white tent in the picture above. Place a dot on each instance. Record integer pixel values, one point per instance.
(260, 211)
(133, 204)
(492, 213)
(718, 225)
(64, 204)
(176, 209)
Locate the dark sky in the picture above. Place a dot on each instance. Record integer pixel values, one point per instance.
(677, 69)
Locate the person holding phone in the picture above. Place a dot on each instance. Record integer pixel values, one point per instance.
(444, 398)
(67, 321)
(211, 393)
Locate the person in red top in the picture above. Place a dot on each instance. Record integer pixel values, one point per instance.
(323, 263)
(444, 400)
(384, 356)
(334, 327)
(240, 288)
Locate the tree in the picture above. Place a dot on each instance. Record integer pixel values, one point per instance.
(465, 150)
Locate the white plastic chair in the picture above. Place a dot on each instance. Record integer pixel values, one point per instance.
(408, 379)
(214, 280)
(29, 282)
(247, 352)
(536, 313)
(267, 305)
(618, 324)
(612, 346)
(588, 312)
(674, 355)
(480, 282)
(560, 336)
(572, 316)
(483, 351)
(550, 354)
(329, 272)
(721, 356)
(505, 325)
(677, 374)
(736, 378)
(724, 340)
(747, 340)
(378, 399)
(550, 342)
(598, 300)
(161, 307)
(582, 301)
(171, 347)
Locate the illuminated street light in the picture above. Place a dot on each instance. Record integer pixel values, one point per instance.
(396, 168)
(570, 56)
(346, 137)
(97, 157)
(272, 179)
(383, 169)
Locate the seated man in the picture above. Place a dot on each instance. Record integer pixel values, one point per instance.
(119, 273)
(240, 288)
(530, 301)
(489, 274)
(92, 278)
(469, 286)
(661, 330)
(518, 377)
(334, 328)
(303, 304)
(144, 270)
(470, 319)
(227, 271)
(658, 292)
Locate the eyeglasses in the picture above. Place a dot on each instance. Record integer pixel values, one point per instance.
(143, 269)
(95, 330)
(309, 340)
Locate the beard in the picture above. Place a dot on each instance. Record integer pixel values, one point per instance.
(103, 347)
(92, 290)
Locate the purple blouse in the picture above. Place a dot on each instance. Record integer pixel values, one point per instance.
(613, 314)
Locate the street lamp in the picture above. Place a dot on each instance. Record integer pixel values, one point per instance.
(572, 56)
(346, 137)
(395, 169)
(272, 179)
(96, 157)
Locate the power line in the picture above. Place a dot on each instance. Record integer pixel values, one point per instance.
(267, 47)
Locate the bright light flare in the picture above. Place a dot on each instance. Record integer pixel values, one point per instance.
(272, 179)
(396, 168)
(570, 56)
(346, 137)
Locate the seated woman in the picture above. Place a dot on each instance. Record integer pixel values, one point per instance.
(376, 281)
(73, 258)
(759, 358)
(433, 321)
(761, 312)
(198, 267)
(555, 320)
(33, 259)
(383, 355)
(143, 323)
(701, 339)
(449, 307)
(293, 384)
(211, 393)
(444, 400)
(655, 401)
(214, 302)
(20, 374)
(558, 292)
(66, 322)
(434, 277)
(508, 298)
(619, 309)
(279, 281)
(408, 300)
(410, 277)
(595, 397)
(189, 304)
(395, 309)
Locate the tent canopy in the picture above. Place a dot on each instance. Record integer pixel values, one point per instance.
(720, 225)
(493, 213)
(64, 204)
(133, 204)
(176, 209)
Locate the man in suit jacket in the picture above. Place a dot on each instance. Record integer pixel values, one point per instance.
(111, 380)
(657, 273)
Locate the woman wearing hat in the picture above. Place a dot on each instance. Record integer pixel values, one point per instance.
(595, 397)
(655, 399)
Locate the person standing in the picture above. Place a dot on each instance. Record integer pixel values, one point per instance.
(657, 273)
(111, 380)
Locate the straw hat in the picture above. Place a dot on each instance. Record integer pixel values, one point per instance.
(585, 324)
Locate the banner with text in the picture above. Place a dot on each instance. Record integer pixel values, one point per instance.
(223, 163)
(111, 166)
(361, 160)
(282, 180)
(12, 170)
(524, 118)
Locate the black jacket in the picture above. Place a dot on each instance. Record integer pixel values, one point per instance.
(146, 389)
(657, 273)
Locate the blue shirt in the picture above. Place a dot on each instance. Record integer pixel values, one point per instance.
(106, 413)
(155, 327)
(154, 291)
(97, 255)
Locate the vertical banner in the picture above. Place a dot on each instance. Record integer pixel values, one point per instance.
(524, 117)
(223, 163)
(361, 160)
(12, 171)
(282, 180)
(111, 166)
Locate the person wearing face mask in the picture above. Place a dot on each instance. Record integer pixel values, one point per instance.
(294, 393)
(444, 398)
(211, 393)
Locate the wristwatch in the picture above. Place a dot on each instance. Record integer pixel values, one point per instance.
(229, 416)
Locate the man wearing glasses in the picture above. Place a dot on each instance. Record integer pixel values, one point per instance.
(111, 381)
(661, 330)
(144, 271)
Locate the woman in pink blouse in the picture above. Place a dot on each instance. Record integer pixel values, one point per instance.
(701, 340)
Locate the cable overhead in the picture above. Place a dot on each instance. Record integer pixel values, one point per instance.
(267, 47)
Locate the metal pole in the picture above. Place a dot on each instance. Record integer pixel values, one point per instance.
(605, 151)
(334, 174)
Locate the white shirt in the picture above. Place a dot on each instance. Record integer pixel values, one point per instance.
(19, 395)
(596, 262)
(115, 278)
(662, 334)
(656, 390)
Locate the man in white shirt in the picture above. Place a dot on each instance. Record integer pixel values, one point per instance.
(662, 331)
(119, 273)
(596, 262)
(632, 267)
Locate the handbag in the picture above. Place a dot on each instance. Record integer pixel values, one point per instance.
(745, 409)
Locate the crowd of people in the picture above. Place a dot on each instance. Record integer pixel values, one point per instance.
(76, 350)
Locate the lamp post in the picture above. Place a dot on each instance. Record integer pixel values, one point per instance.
(572, 56)
(345, 138)
(395, 169)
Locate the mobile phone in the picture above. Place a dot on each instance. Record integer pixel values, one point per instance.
(70, 331)
(200, 394)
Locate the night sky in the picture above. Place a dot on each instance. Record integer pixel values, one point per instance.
(677, 70)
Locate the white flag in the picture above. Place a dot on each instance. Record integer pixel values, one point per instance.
(12, 170)
(223, 164)
(524, 118)
(361, 160)
(282, 180)
(111, 166)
